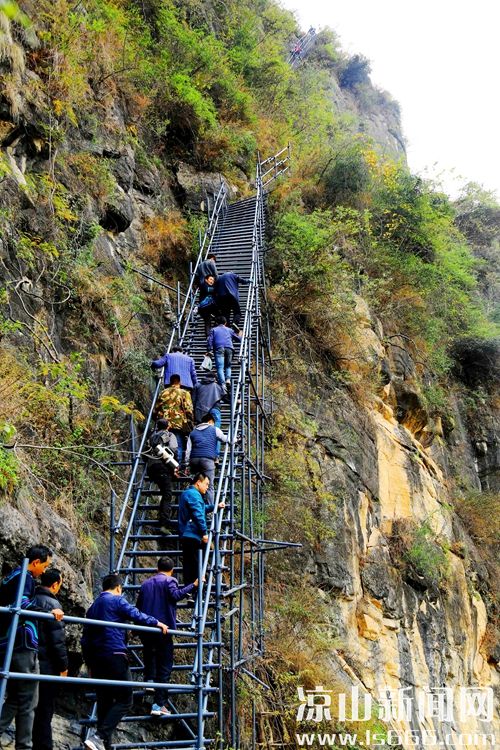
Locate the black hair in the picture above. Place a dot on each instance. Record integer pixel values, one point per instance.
(165, 564)
(38, 552)
(177, 348)
(162, 424)
(52, 575)
(111, 581)
(198, 476)
(175, 378)
(221, 320)
(211, 255)
(207, 418)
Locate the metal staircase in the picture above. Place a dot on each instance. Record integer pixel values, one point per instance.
(225, 629)
(223, 634)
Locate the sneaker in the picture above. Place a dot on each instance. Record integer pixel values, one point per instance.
(149, 689)
(157, 710)
(95, 743)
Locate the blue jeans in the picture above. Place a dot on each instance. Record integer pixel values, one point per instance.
(223, 360)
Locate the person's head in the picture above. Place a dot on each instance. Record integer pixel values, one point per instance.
(212, 256)
(162, 424)
(175, 380)
(112, 583)
(165, 565)
(201, 482)
(39, 558)
(177, 349)
(210, 280)
(207, 419)
(221, 320)
(52, 580)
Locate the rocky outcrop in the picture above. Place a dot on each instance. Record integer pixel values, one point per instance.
(401, 627)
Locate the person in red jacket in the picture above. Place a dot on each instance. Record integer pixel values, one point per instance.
(158, 597)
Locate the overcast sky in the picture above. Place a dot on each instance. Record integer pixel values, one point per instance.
(440, 59)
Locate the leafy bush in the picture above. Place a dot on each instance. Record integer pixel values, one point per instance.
(418, 548)
(347, 177)
(355, 70)
(313, 284)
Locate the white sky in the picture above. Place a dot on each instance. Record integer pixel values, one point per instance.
(440, 59)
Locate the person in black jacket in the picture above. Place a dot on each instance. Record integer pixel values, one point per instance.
(22, 695)
(52, 656)
(162, 467)
(206, 268)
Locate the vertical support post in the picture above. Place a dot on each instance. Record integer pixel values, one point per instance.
(132, 436)
(233, 717)
(218, 623)
(199, 652)
(178, 311)
(13, 630)
(112, 531)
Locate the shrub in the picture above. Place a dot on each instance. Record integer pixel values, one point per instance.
(477, 362)
(313, 283)
(480, 511)
(355, 70)
(167, 239)
(348, 176)
(419, 551)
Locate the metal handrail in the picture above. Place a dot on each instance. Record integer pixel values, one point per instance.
(223, 486)
(305, 41)
(219, 207)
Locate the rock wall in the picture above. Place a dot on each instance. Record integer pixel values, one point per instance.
(397, 628)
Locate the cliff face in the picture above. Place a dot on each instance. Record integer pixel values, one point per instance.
(408, 591)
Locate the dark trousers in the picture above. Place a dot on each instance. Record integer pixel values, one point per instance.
(42, 729)
(207, 313)
(158, 657)
(228, 305)
(21, 699)
(112, 702)
(190, 549)
(161, 475)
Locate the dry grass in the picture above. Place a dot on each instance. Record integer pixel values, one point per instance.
(12, 377)
(166, 239)
(480, 511)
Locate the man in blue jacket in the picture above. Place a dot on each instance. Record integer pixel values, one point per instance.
(158, 597)
(22, 695)
(193, 530)
(220, 341)
(227, 295)
(177, 363)
(105, 652)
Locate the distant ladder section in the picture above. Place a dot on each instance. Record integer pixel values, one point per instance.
(224, 632)
(301, 47)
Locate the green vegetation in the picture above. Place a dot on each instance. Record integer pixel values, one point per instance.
(185, 81)
(420, 552)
